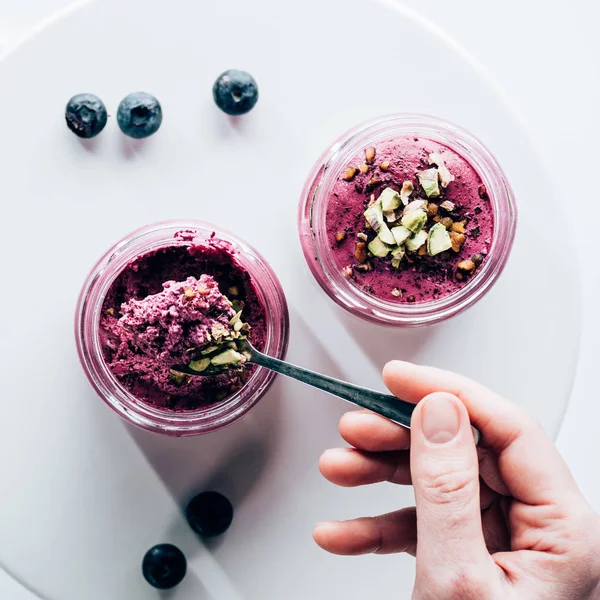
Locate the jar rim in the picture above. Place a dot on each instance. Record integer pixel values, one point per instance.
(87, 319)
(317, 192)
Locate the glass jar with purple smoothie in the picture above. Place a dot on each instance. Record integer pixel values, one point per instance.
(172, 293)
(407, 220)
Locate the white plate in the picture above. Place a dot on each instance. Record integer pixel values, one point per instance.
(83, 496)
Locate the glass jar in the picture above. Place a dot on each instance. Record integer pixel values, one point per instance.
(317, 191)
(87, 320)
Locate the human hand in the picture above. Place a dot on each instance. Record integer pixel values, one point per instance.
(505, 520)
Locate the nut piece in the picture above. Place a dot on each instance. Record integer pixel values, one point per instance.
(340, 236)
(348, 272)
(110, 311)
(458, 227)
(189, 293)
(365, 268)
(447, 205)
(362, 236)
(482, 191)
(385, 165)
(364, 167)
(370, 155)
(447, 222)
(422, 250)
(396, 292)
(350, 174)
(373, 182)
(466, 265)
(432, 210)
(459, 276)
(234, 290)
(457, 239)
(360, 252)
(477, 259)
(411, 298)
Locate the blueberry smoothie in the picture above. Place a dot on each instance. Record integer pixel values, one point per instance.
(184, 304)
(409, 221)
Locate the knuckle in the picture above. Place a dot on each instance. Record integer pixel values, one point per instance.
(449, 487)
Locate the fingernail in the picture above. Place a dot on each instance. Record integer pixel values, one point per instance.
(441, 420)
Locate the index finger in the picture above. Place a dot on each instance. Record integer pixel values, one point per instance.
(529, 464)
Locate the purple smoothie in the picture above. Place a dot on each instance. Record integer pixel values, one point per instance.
(164, 308)
(462, 207)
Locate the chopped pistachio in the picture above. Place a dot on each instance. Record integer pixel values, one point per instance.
(395, 263)
(340, 236)
(439, 240)
(209, 350)
(401, 234)
(229, 357)
(238, 326)
(390, 216)
(374, 216)
(458, 226)
(363, 167)
(200, 365)
(415, 205)
(378, 248)
(429, 182)
(445, 176)
(396, 292)
(390, 199)
(385, 165)
(414, 220)
(416, 241)
(398, 253)
(407, 189)
(362, 236)
(370, 155)
(360, 252)
(447, 205)
(236, 318)
(350, 174)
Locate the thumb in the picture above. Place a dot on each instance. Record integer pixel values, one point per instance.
(445, 475)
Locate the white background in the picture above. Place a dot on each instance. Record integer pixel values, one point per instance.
(544, 55)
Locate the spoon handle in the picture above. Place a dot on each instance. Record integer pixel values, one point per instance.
(386, 405)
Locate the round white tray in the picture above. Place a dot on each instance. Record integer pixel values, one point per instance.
(84, 496)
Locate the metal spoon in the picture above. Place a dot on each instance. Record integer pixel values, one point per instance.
(386, 405)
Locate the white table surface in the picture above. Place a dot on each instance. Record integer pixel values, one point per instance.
(544, 57)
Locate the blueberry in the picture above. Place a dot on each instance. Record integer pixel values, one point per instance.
(86, 115)
(164, 566)
(139, 115)
(235, 92)
(209, 514)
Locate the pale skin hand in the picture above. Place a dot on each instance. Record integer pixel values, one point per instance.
(505, 521)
